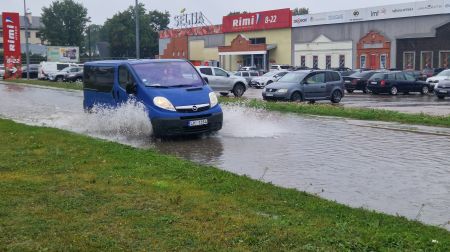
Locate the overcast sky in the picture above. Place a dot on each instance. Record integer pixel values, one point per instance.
(100, 10)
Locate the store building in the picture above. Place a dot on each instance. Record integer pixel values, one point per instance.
(374, 37)
(252, 39)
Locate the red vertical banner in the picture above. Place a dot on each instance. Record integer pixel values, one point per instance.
(11, 45)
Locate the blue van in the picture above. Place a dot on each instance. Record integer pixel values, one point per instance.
(177, 98)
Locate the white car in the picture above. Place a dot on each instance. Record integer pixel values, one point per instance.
(279, 67)
(266, 79)
(444, 75)
(223, 82)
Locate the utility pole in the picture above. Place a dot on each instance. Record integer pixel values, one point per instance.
(89, 42)
(136, 13)
(27, 23)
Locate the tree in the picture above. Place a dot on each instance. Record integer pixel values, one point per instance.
(300, 11)
(119, 31)
(92, 37)
(64, 23)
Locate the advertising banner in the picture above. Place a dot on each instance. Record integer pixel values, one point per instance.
(265, 20)
(11, 45)
(63, 54)
(193, 31)
(413, 9)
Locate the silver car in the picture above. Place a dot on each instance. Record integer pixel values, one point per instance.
(306, 85)
(221, 81)
(248, 75)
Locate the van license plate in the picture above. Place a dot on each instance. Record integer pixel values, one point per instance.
(443, 91)
(270, 95)
(198, 123)
(374, 82)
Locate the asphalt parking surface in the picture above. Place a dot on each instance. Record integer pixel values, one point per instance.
(411, 103)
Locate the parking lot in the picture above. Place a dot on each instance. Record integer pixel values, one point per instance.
(412, 103)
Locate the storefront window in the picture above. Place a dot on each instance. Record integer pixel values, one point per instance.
(383, 61)
(362, 61)
(256, 41)
(426, 60)
(444, 57)
(303, 61)
(328, 61)
(341, 60)
(315, 62)
(409, 59)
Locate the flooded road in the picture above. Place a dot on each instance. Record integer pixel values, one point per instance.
(378, 166)
(413, 103)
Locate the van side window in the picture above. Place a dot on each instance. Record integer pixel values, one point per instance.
(99, 78)
(333, 76)
(60, 67)
(124, 77)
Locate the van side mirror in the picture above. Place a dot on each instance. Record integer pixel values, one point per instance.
(131, 88)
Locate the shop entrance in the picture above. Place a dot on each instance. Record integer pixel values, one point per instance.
(258, 61)
(373, 51)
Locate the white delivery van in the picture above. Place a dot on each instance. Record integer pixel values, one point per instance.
(47, 68)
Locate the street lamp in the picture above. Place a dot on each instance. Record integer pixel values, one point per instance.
(136, 13)
(89, 39)
(28, 20)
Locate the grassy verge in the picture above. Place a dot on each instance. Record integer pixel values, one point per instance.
(340, 111)
(66, 85)
(62, 191)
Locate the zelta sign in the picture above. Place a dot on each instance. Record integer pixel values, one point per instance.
(265, 20)
(11, 45)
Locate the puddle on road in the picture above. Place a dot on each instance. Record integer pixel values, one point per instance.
(397, 172)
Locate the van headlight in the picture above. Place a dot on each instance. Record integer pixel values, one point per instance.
(282, 90)
(164, 103)
(213, 101)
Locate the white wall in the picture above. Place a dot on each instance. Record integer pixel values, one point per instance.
(322, 47)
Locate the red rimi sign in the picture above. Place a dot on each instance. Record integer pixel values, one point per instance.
(11, 45)
(264, 20)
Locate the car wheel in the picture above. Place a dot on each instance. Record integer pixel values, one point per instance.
(59, 79)
(296, 97)
(366, 90)
(336, 97)
(393, 90)
(349, 91)
(425, 90)
(224, 93)
(238, 90)
(441, 97)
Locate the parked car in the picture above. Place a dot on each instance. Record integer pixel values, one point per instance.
(358, 81)
(395, 82)
(267, 78)
(248, 68)
(34, 69)
(74, 76)
(433, 81)
(442, 89)
(307, 86)
(176, 97)
(344, 71)
(223, 82)
(47, 68)
(248, 75)
(61, 75)
(430, 72)
(2, 72)
(279, 67)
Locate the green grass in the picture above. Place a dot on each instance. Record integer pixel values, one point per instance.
(63, 191)
(66, 85)
(345, 112)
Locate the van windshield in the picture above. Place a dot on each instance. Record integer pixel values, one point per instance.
(168, 74)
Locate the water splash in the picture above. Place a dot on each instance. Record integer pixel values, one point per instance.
(244, 122)
(128, 123)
